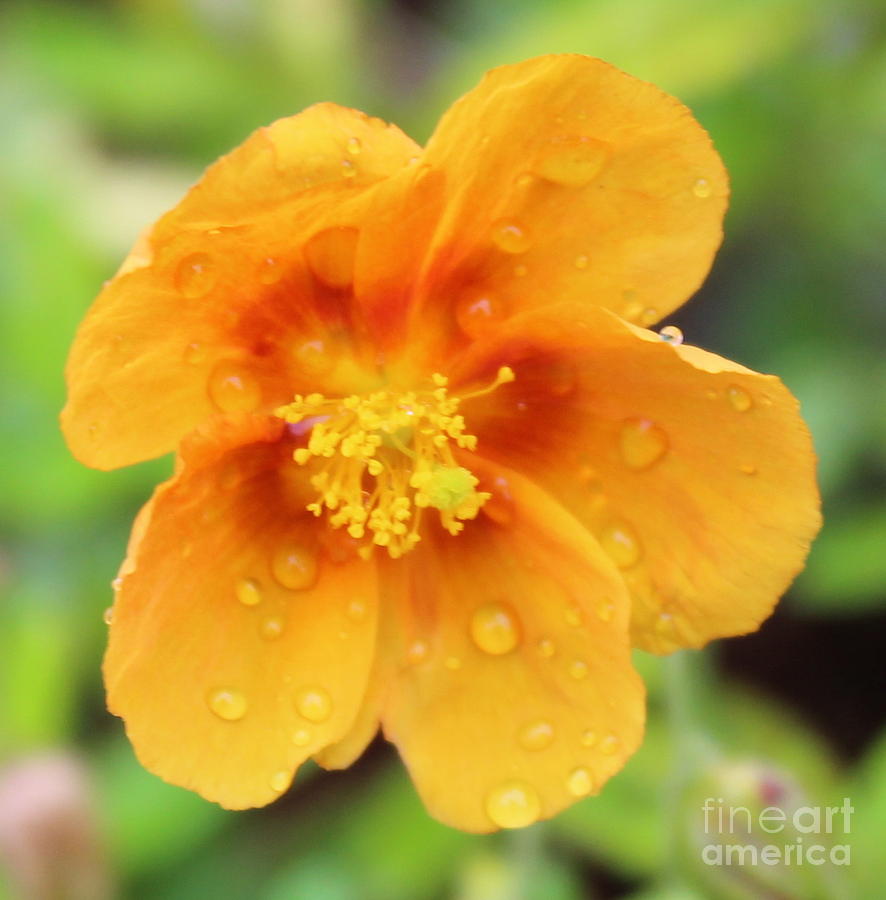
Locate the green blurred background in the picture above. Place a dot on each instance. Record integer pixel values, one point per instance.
(110, 109)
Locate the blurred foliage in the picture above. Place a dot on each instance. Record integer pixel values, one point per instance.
(111, 109)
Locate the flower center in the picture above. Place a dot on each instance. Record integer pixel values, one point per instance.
(386, 457)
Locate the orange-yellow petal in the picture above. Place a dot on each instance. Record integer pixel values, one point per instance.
(514, 695)
(696, 474)
(567, 179)
(239, 296)
(239, 644)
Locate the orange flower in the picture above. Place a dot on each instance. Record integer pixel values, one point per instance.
(429, 474)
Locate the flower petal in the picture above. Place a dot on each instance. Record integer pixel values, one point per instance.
(515, 693)
(696, 474)
(236, 298)
(239, 644)
(570, 180)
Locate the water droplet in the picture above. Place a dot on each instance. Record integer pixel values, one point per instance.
(513, 804)
(294, 566)
(588, 738)
(354, 146)
(605, 612)
(620, 541)
(233, 388)
(702, 188)
(248, 592)
(500, 506)
(348, 169)
(536, 735)
(314, 704)
(194, 354)
(748, 469)
(573, 616)
(670, 334)
(330, 255)
(108, 615)
(578, 669)
(579, 782)
(633, 311)
(356, 610)
(711, 394)
(609, 744)
(495, 628)
(478, 313)
(271, 628)
(510, 237)
(269, 270)
(573, 161)
(739, 399)
(524, 180)
(227, 704)
(453, 663)
(582, 262)
(642, 443)
(279, 781)
(312, 358)
(649, 316)
(116, 584)
(546, 648)
(301, 737)
(418, 650)
(195, 276)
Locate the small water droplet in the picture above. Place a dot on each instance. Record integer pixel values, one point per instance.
(670, 334)
(108, 615)
(711, 394)
(248, 592)
(478, 313)
(312, 358)
(649, 316)
(453, 663)
(354, 146)
(573, 616)
(313, 704)
(301, 737)
(546, 648)
(233, 388)
(116, 584)
(271, 628)
(356, 610)
(195, 276)
(513, 804)
(578, 669)
(633, 311)
(330, 255)
(536, 735)
(500, 506)
(748, 469)
(524, 180)
(348, 169)
(605, 612)
(510, 237)
(572, 161)
(279, 781)
(270, 271)
(579, 782)
(620, 541)
(495, 628)
(641, 443)
(294, 566)
(609, 744)
(588, 738)
(194, 354)
(739, 399)
(582, 261)
(227, 704)
(418, 650)
(702, 188)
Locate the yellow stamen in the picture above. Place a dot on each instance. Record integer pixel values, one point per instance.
(387, 456)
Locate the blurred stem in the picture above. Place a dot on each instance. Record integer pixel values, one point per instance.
(525, 849)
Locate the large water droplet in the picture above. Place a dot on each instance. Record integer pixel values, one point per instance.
(536, 735)
(579, 782)
(227, 704)
(195, 275)
(510, 237)
(495, 628)
(478, 313)
(248, 592)
(641, 443)
(313, 704)
(294, 566)
(513, 804)
(233, 388)
(739, 399)
(620, 541)
(330, 255)
(573, 161)
(670, 334)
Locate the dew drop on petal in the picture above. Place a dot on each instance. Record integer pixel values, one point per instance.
(500, 506)
(641, 443)
(195, 275)
(227, 704)
(348, 169)
(513, 804)
(279, 781)
(605, 612)
(572, 616)
(356, 610)
(495, 628)
(232, 388)
(313, 704)
(546, 648)
(739, 399)
(330, 255)
(702, 188)
(536, 735)
(609, 744)
(572, 161)
(670, 334)
(301, 737)
(510, 237)
(271, 628)
(354, 146)
(578, 669)
(478, 313)
(579, 782)
(194, 354)
(620, 541)
(453, 663)
(294, 566)
(312, 358)
(269, 271)
(649, 315)
(588, 738)
(248, 592)
(582, 261)
(418, 650)
(108, 615)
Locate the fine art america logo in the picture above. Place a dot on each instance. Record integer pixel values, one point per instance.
(806, 835)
